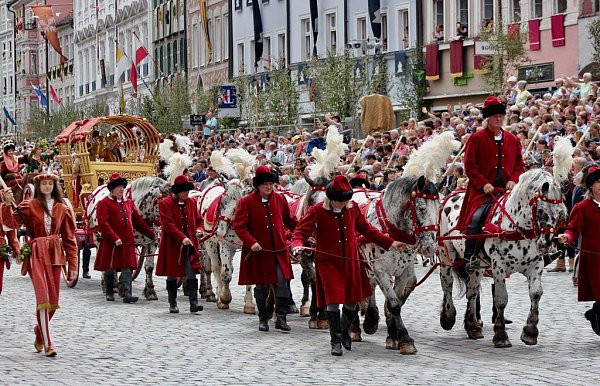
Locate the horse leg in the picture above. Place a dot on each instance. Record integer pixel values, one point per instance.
(315, 313)
(355, 331)
(500, 300)
(448, 312)
(472, 326)
(371, 321)
(249, 307)
(211, 256)
(530, 331)
(391, 341)
(226, 270)
(392, 303)
(216, 270)
(149, 291)
(202, 286)
(403, 287)
(305, 306)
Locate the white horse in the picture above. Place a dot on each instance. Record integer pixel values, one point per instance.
(534, 209)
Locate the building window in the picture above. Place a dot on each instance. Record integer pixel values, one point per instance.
(384, 32)
(597, 6)
(266, 59)
(217, 47)
(536, 11)
(403, 32)
(462, 13)
(361, 32)
(281, 47)
(487, 8)
(306, 39)
(560, 6)
(225, 36)
(438, 14)
(240, 54)
(516, 10)
(175, 56)
(331, 32)
(211, 34)
(194, 46)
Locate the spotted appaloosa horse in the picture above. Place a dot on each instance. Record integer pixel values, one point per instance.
(535, 205)
(408, 211)
(216, 208)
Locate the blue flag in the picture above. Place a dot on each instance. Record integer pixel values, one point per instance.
(7, 115)
(41, 97)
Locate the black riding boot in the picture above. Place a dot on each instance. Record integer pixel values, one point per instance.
(193, 294)
(172, 291)
(593, 315)
(281, 309)
(125, 280)
(471, 262)
(260, 295)
(348, 317)
(109, 285)
(335, 330)
(86, 254)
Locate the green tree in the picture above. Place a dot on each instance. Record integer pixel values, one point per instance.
(207, 100)
(411, 87)
(170, 105)
(594, 33)
(281, 97)
(250, 101)
(509, 55)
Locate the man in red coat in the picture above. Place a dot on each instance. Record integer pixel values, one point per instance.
(341, 275)
(493, 162)
(117, 217)
(178, 254)
(584, 221)
(259, 222)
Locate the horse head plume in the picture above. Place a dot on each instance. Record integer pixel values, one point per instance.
(563, 158)
(166, 149)
(327, 160)
(221, 164)
(243, 162)
(184, 142)
(432, 157)
(176, 165)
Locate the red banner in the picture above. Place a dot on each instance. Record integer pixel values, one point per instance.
(432, 62)
(456, 58)
(534, 34)
(558, 29)
(47, 25)
(478, 60)
(514, 29)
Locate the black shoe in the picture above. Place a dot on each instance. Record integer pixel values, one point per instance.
(172, 293)
(109, 285)
(348, 317)
(263, 324)
(86, 275)
(335, 331)
(193, 295)
(86, 253)
(281, 309)
(260, 295)
(281, 323)
(593, 315)
(110, 297)
(125, 280)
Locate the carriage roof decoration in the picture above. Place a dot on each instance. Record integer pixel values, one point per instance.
(78, 137)
(432, 157)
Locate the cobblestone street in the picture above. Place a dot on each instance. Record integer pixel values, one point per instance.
(109, 343)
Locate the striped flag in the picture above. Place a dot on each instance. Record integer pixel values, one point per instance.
(121, 63)
(41, 97)
(55, 96)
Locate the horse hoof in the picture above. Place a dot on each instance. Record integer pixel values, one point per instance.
(355, 335)
(502, 343)
(222, 306)
(407, 348)
(292, 309)
(313, 325)
(305, 311)
(249, 310)
(447, 323)
(391, 344)
(475, 334)
(528, 339)
(211, 298)
(151, 296)
(371, 322)
(322, 324)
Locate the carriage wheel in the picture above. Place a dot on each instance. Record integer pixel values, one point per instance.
(72, 283)
(140, 264)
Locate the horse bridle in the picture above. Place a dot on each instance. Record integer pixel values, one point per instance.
(533, 203)
(410, 205)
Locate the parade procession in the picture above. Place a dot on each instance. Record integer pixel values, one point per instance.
(349, 212)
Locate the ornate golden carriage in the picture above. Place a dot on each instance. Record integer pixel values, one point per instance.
(138, 158)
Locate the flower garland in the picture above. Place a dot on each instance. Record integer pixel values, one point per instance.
(25, 252)
(5, 252)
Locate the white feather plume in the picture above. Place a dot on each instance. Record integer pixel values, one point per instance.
(327, 160)
(176, 165)
(243, 162)
(221, 164)
(184, 142)
(431, 158)
(165, 149)
(563, 158)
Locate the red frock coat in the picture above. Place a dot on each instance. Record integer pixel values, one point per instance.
(252, 225)
(339, 280)
(113, 227)
(49, 251)
(170, 253)
(2, 263)
(481, 165)
(584, 221)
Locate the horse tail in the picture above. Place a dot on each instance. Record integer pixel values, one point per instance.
(462, 276)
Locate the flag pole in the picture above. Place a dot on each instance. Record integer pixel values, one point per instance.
(143, 80)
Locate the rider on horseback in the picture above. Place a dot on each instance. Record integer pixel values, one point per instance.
(9, 167)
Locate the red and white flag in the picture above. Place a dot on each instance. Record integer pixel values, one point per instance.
(140, 54)
(134, 79)
(55, 96)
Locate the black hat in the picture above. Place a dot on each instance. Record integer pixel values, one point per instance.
(181, 184)
(115, 180)
(593, 175)
(339, 189)
(492, 106)
(262, 175)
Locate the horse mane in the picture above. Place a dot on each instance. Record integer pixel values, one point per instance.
(531, 180)
(432, 157)
(398, 192)
(147, 183)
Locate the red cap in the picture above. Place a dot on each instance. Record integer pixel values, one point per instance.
(491, 101)
(339, 189)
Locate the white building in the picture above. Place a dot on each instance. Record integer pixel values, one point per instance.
(62, 78)
(99, 25)
(7, 73)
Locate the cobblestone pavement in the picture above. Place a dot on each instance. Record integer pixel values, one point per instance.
(109, 343)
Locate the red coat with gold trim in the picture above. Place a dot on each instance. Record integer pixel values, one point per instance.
(170, 253)
(481, 165)
(116, 221)
(255, 222)
(341, 275)
(583, 222)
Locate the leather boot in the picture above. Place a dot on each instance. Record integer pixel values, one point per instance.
(471, 261)
(109, 285)
(593, 315)
(348, 317)
(281, 308)
(335, 330)
(125, 280)
(571, 264)
(86, 254)
(172, 291)
(560, 266)
(260, 295)
(193, 295)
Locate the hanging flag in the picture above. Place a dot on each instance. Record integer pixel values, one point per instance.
(314, 21)
(432, 62)
(456, 58)
(400, 63)
(8, 116)
(558, 29)
(41, 97)
(134, 79)
(47, 25)
(534, 34)
(375, 17)
(204, 16)
(140, 54)
(258, 31)
(121, 99)
(54, 95)
(121, 63)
